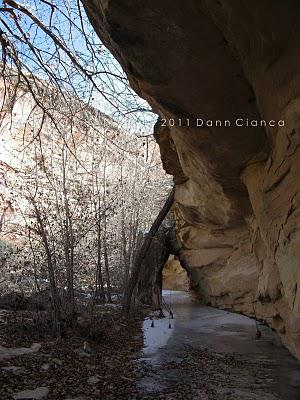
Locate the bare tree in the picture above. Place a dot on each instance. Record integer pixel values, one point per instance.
(90, 185)
(140, 255)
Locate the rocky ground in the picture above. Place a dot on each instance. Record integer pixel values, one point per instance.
(208, 375)
(36, 365)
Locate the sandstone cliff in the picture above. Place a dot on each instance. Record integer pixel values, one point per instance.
(174, 277)
(237, 194)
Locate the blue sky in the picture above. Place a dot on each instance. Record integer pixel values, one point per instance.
(112, 95)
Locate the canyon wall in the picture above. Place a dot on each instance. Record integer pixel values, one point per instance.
(237, 187)
(174, 277)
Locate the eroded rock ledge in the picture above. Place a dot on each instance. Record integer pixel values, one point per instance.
(237, 193)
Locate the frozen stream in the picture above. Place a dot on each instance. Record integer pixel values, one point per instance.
(261, 369)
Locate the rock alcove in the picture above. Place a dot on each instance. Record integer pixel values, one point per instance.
(237, 188)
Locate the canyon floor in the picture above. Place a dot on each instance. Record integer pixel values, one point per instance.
(201, 353)
(205, 353)
(36, 365)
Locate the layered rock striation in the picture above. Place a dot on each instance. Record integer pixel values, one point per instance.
(237, 187)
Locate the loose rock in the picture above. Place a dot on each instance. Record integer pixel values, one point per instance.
(36, 394)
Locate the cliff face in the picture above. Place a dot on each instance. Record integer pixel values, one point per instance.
(174, 277)
(237, 188)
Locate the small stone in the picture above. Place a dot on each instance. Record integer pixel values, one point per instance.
(87, 348)
(36, 394)
(93, 380)
(57, 361)
(82, 353)
(18, 351)
(14, 370)
(45, 367)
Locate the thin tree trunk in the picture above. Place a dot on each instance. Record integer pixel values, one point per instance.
(99, 285)
(124, 252)
(142, 251)
(37, 286)
(106, 264)
(53, 288)
(68, 244)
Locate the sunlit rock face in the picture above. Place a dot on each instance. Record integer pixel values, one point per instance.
(237, 187)
(174, 277)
